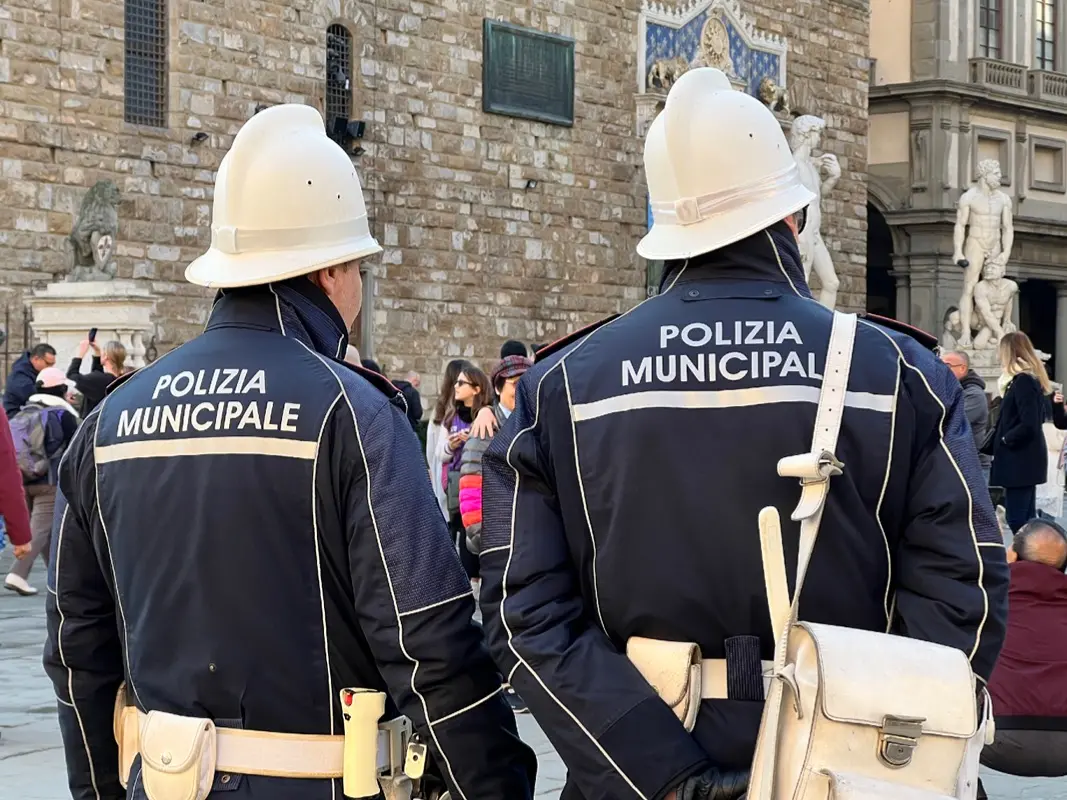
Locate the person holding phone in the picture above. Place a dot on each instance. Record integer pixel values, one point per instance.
(108, 364)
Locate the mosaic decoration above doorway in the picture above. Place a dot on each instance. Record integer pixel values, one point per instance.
(706, 33)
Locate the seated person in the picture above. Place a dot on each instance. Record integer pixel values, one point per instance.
(1029, 684)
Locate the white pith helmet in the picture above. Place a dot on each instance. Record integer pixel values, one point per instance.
(718, 167)
(287, 202)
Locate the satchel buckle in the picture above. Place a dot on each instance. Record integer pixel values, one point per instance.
(827, 466)
(898, 740)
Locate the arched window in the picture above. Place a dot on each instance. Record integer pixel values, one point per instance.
(145, 71)
(338, 81)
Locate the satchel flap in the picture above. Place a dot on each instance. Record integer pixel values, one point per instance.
(665, 665)
(865, 676)
(850, 786)
(171, 743)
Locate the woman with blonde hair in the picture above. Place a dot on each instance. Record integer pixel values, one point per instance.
(1020, 456)
(107, 365)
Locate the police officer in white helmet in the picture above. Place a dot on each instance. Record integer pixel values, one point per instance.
(250, 558)
(623, 589)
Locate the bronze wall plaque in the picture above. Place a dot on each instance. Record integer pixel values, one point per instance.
(527, 73)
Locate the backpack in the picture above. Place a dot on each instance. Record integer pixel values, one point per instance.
(29, 430)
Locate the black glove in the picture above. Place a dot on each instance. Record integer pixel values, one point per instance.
(714, 784)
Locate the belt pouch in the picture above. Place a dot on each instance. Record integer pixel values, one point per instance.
(177, 756)
(673, 669)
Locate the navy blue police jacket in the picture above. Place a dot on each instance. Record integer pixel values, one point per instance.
(247, 527)
(621, 499)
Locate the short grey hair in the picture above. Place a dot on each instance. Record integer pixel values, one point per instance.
(1042, 541)
(961, 356)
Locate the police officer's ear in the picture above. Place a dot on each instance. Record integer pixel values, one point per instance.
(796, 222)
(343, 286)
(330, 279)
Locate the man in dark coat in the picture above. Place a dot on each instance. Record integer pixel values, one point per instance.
(621, 497)
(408, 388)
(1029, 685)
(975, 400)
(250, 532)
(22, 380)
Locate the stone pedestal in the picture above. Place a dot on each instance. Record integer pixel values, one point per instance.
(986, 363)
(63, 314)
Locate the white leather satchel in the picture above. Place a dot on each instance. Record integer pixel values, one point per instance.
(850, 713)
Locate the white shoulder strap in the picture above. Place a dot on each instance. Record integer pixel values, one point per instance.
(813, 470)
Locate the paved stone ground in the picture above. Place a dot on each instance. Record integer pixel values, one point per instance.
(31, 757)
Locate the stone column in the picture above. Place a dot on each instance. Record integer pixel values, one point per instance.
(903, 282)
(1061, 333)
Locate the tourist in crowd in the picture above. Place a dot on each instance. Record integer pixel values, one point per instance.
(504, 377)
(975, 401)
(485, 422)
(22, 380)
(409, 387)
(1029, 684)
(1020, 457)
(437, 430)
(512, 348)
(471, 393)
(49, 408)
(106, 367)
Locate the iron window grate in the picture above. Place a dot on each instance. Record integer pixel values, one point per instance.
(145, 73)
(338, 80)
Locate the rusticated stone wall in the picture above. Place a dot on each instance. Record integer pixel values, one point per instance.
(472, 255)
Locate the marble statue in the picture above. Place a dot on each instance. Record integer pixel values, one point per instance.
(983, 232)
(993, 299)
(94, 235)
(663, 73)
(950, 334)
(805, 136)
(775, 97)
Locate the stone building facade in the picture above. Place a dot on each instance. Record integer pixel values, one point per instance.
(493, 226)
(955, 82)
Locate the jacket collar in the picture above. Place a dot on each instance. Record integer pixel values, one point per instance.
(295, 308)
(770, 255)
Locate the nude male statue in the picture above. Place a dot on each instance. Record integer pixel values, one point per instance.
(993, 299)
(805, 136)
(983, 230)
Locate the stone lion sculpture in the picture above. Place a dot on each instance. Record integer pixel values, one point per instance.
(665, 72)
(94, 234)
(775, 97)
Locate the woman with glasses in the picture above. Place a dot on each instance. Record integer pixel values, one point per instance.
(470, 393)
